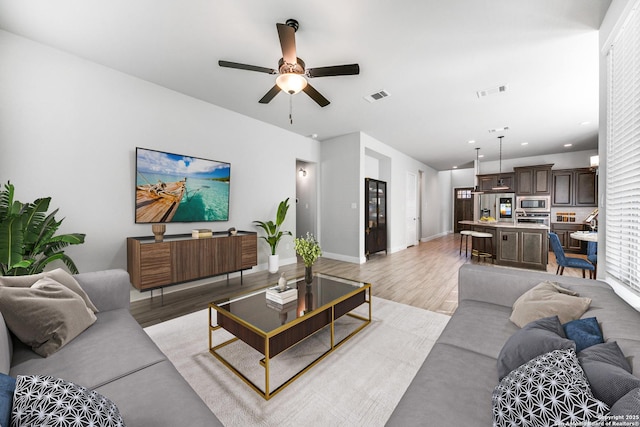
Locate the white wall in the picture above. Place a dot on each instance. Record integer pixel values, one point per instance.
(341, 192)
(69, 128)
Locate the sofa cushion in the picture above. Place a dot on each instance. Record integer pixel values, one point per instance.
(114, 346)
(453, 384)
(46, 400)
(6, 347)
(59, 275)
(608, 372)
(548, 299)
(479, 326)
(159, 396)
(538, 337)
(7, 388)
(46, 315)
(548, 390)
(584, 332)
(628, 405)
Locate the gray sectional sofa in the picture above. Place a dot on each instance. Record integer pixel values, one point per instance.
(116, 358)
(454, 386)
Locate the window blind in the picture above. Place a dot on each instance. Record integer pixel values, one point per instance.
(623, 155)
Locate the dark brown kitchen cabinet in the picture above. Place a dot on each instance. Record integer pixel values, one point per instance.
(533, 180)
(375, 232)
(574, 187)
(564, 234)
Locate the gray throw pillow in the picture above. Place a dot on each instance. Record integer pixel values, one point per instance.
(46, 315)
(59, 275)
(548, 299)
(538, 337)
(608, 372)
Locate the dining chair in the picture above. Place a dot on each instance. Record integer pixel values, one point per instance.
(565, 261)
(592, 256)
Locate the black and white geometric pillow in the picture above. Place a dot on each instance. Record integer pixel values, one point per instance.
(549, 390)
(41, 400)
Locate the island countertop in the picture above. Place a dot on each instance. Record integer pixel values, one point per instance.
(505, 225)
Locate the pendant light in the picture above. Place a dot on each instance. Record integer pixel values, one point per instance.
(500, 186)
(476, 189)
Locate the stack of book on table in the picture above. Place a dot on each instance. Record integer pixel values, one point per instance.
(279, 297)
(201, 232)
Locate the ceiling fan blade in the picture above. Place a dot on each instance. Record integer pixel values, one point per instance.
(239, 66)
(336, 70)
(287, 36)
(270, 95)
(315, 95)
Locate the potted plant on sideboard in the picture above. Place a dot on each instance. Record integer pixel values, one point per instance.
(274, 234)
(28, 236)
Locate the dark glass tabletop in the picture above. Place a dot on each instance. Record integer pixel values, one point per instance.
(266, 315)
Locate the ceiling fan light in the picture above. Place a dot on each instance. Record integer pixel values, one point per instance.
(291, 83)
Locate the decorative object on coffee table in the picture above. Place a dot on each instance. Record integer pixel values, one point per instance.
(274, 234)
(282, 282)
(158, 231)
(309, 249)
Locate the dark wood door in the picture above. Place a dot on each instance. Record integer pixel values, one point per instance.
(462, 206)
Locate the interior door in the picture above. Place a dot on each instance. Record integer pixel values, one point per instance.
(411, 209)
(462, 207)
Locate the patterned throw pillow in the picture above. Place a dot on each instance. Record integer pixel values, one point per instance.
(546, 391)
(41, 400)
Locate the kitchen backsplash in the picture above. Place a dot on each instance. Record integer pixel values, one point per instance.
(575, 215)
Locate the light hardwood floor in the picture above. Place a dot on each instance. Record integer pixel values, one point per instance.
(424, 276)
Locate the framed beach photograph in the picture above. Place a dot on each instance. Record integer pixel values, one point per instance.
(178, 188)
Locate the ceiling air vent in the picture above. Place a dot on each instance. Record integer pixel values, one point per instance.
(376, 96)
(492, 91)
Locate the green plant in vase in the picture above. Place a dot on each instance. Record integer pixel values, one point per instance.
(309, 250)
(274, 234)
(27, 236)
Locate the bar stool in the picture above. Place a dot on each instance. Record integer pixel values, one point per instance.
(465, 234)
(478, 253)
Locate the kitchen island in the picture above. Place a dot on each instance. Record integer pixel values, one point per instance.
(513, 245)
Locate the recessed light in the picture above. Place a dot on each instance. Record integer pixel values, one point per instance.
(481, 155)
(524, 143)
(472, 141)
(586, 122)
(568, 145)
(455, 167)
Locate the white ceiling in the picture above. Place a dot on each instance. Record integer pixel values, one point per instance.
(430, 55)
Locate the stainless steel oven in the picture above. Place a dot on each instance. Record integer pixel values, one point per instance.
(543, 218)
(532, 204)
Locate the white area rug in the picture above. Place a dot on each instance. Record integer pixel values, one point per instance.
(358, 385)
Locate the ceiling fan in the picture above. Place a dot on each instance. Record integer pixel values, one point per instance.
(291, 69)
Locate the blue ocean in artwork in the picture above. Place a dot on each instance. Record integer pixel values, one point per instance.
(207, 183)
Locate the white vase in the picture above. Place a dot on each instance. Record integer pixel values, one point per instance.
(273, 263)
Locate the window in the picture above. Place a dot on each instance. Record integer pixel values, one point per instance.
(463, 194)
(623, 155)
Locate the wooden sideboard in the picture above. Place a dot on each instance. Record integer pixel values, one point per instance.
(181, 258)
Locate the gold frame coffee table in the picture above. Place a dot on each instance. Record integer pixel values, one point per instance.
(271, 328)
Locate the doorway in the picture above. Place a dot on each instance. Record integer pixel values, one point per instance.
(462, 206)
(411, 209)
(306, 198)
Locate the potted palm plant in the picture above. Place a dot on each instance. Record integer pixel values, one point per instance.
(274, 234)
(28, 236)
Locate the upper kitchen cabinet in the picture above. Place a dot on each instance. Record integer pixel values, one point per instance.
(533, 180)
(488, 182)
(574, 187)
